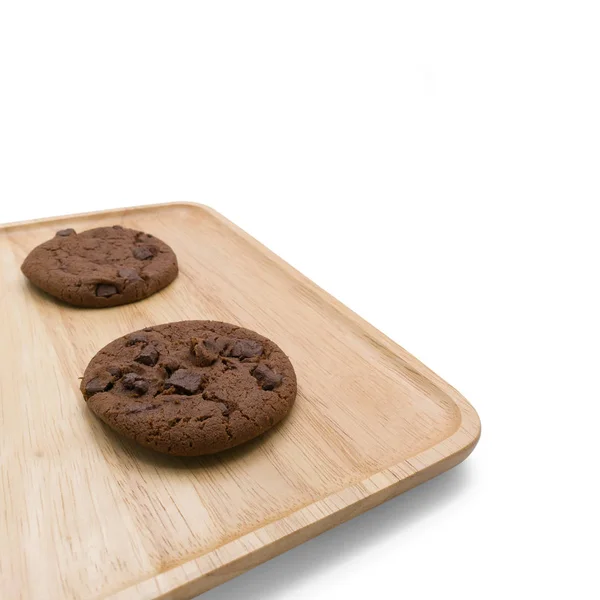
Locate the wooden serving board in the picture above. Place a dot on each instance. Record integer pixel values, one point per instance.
(85, 514)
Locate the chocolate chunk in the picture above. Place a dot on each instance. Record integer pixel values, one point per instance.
(134, 382)
(217, 344)
(204, 357)
(143, 252)
(106, 290)
(141, 386)
(185, 381)
(129, 380)
(245, 349)
(148, 355)
(99, 384)
(137, 338)
(129, 274)
(65, 232)
(117, 227)
(148, 329)
(114, 371)
(267, 378)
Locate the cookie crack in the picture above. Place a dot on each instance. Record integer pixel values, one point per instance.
(247, 417)
(227, 425)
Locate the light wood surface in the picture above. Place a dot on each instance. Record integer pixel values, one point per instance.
(85, 514)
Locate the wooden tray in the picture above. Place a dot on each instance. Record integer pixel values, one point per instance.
(88, 515)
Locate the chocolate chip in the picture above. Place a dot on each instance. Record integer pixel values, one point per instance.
(106, 290)
(129, 381)
(143, 252)
(267, 378)
(134, 382)
(148, 329)
(114, 371)
(101, 383)
(148, 355)
(217, 344)
(245, 349)
(185, 381)
(65, 232)
(129, 274)
(204, 357)
(141, 386)
(137, 338)
(117, 227)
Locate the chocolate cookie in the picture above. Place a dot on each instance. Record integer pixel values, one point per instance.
(101, 267)
(190, 388)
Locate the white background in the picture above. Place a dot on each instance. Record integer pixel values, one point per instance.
(435, 165)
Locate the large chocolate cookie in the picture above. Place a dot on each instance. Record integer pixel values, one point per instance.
(101, 267)
(190, 388)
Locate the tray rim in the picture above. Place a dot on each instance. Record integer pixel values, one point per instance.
(207, 570)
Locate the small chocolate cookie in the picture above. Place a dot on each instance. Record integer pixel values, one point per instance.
(101, 267)
(190, 388)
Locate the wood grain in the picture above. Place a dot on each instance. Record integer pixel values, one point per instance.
(86, 514)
